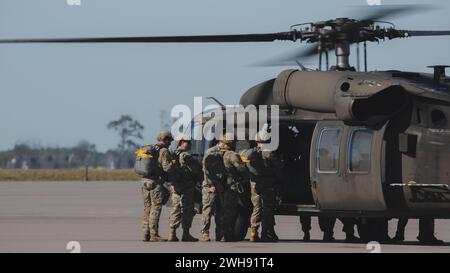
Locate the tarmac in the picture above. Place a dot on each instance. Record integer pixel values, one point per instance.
(106, 217)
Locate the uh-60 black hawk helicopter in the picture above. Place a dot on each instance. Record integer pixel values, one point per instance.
(366, 145)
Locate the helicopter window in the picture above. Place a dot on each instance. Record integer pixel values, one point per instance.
(359, 151)
(327, 155)
(438, 118)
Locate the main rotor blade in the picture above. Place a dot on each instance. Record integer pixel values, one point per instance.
(387, 11)
(377, 13)
(418, 33)
(266, 37)
(293, 56)
(288, 58)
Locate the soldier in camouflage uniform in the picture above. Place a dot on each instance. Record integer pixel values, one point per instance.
(265, 168)
(236, 173)
(154, 192)
(185, 173)
(214, 174)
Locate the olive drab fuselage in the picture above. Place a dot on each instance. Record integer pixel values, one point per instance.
(371, 144)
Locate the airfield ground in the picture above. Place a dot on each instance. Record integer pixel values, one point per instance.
(105, 217)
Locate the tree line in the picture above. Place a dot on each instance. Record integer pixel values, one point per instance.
(84, 154)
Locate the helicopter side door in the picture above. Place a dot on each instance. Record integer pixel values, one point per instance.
(346, 171)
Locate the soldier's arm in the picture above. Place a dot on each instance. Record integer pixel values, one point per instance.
(165, 159)
(235, 161)
(210, 176)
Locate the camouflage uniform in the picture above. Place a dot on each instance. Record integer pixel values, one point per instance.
(264, 167)
(154, 194)
(213, 177)
(236, 171)
(187, 172)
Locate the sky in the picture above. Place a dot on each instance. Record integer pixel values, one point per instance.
(58, 94)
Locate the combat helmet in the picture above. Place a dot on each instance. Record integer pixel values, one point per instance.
(164, 135)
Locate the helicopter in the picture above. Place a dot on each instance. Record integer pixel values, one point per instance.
(360, 144)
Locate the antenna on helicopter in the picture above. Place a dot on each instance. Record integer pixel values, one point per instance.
(358, 62)
(302, 67)
(218, 102)
(365, 56)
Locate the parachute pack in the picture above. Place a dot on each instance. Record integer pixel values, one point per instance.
(146, 160)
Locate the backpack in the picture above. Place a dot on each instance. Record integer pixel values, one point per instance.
(213, 165)
(146, 164)
(254, 162)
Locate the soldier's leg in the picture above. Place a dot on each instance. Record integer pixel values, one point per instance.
(349, 229)
(384, 230)
(268, 222)
(426, 232)
(146, 217)
(305, 222)
(230, 204)
(327, 226)
(255, 219)
(157, 196)
(175, 216)
(218, 216)
(187, 208)
(207, 204)
(426, 228)
(401, 226)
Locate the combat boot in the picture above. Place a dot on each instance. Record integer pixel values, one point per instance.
(187, 237)
(273, 234)
(268, 236)
(328, 237)
(399, 236)
(205, 237)
(173, 235)
(156, 238)
(254, 237)
(146, 238)
(306, 237)
(227, 237)
(351, 238)
(220, 237)
(430, 241)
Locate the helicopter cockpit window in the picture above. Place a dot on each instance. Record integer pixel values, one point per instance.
(328, 150)
(359, 151)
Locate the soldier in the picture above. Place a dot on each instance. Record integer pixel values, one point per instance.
(426, 231)
(305, 221)
(153, 190)
(235, 173)
(327, 223)
(213, 182)
(265, 168)
(186, 171)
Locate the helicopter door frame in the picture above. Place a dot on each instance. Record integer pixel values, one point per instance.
(335, 185)
(366, 177)
(324, 179)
